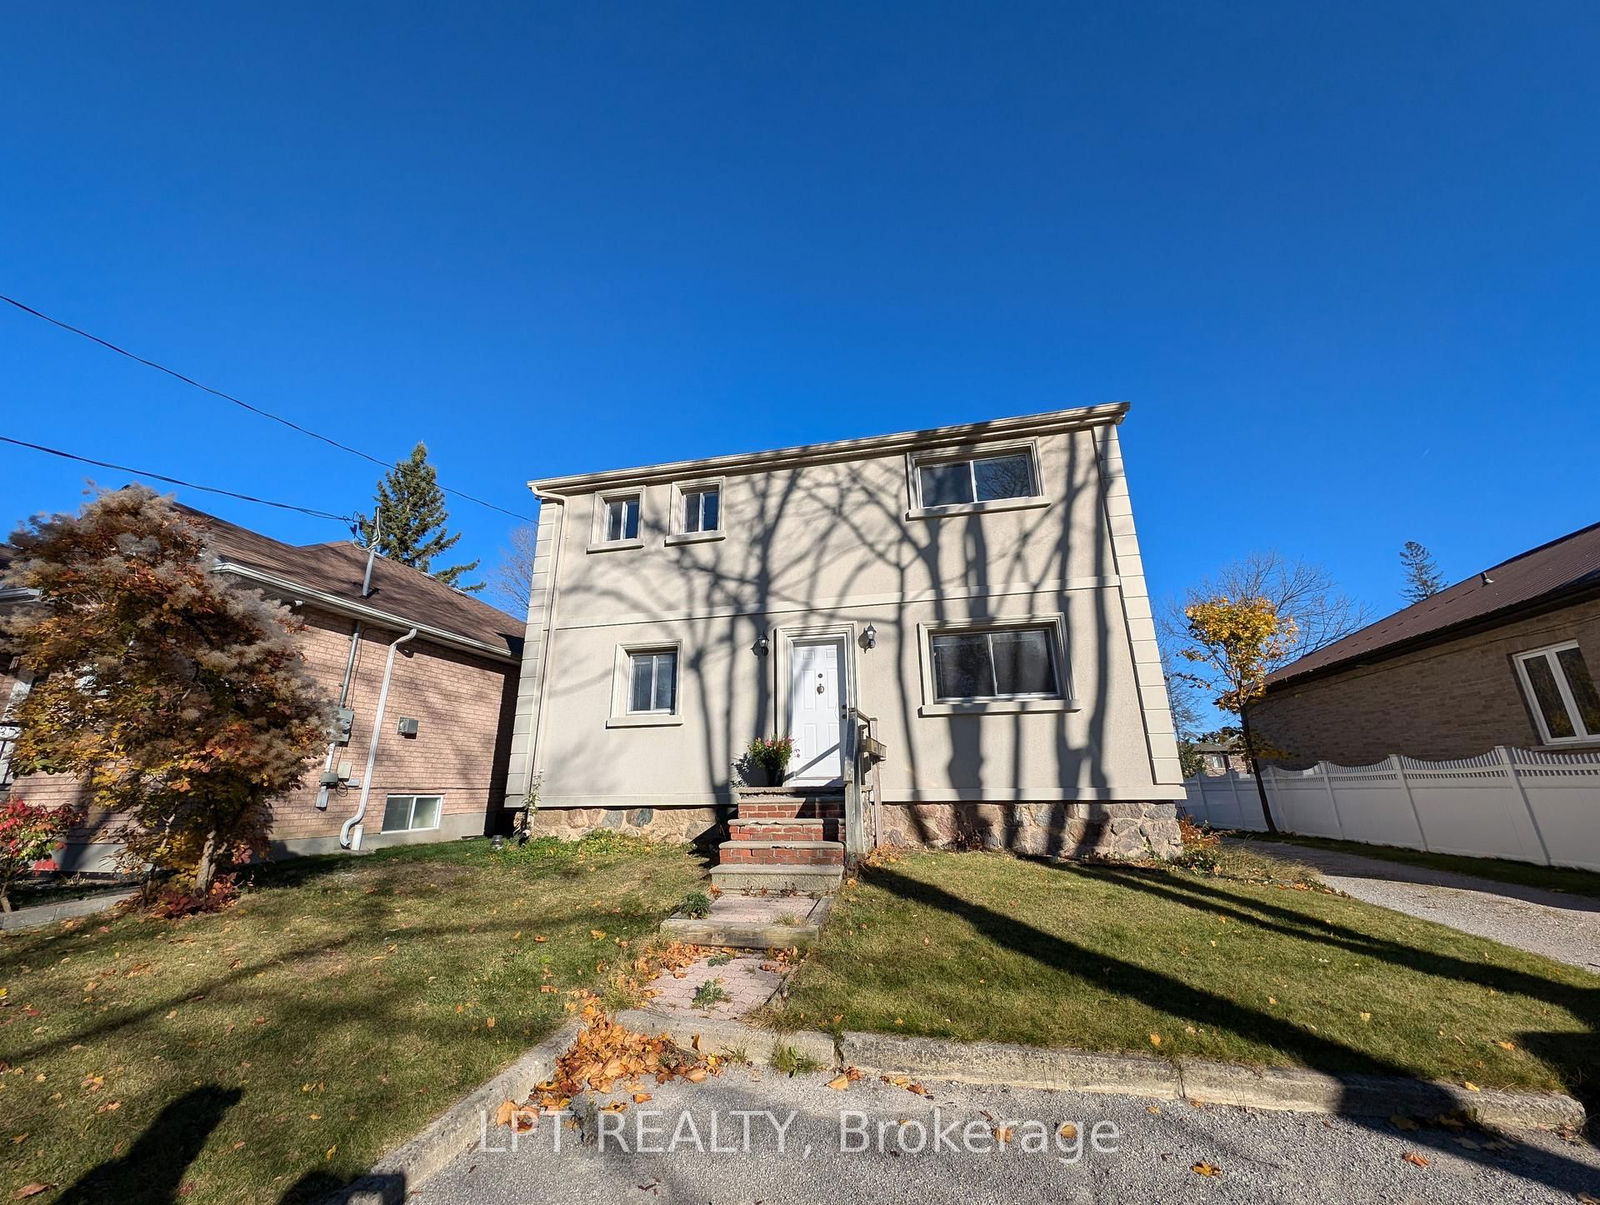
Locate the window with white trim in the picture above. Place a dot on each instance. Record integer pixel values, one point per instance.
(411, 813)
(620, 520)
(653, 682)
(701, 509)
(1561, 691)
(972, 479)
(1012, 662)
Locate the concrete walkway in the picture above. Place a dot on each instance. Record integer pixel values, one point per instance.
(748, 981)
(1553, 923)
(41, 915)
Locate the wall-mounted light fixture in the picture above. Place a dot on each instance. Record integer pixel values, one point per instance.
(869, 638)
(762, 645)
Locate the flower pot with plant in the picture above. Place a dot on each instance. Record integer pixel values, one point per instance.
(771, 755)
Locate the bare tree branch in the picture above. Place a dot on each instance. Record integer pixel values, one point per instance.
(511, 581)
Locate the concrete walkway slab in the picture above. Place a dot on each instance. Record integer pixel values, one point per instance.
(1555, 924)
(744, 979)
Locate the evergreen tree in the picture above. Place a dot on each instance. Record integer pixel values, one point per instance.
(1423, 579)
(413, 529)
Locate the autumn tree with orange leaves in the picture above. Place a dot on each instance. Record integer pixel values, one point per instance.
(1235, 642)
(177, 696)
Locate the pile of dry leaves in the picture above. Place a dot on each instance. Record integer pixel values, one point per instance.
(606, 1057)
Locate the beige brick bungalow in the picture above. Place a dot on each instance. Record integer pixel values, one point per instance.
(438, 757)
(952, 624)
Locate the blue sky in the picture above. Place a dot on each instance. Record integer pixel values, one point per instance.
(1342, 260)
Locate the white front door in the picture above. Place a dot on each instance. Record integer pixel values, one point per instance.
(815, 695)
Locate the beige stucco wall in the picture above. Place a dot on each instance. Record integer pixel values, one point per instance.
(1456, 699)
(829, 545)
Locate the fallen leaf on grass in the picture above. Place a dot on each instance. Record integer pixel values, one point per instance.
(31, 1190)
(1205, 1169)
(541, 939)
(1470, 1086)
(1366, 1016)
(1414, 1158)
(1506, 1045)
(1155, 1039)
(489, 1021)
(331, 1149)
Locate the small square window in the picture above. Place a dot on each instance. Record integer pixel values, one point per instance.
(976, 479)
(997, 663)
(653, 682)
(411, 813)
(1561, 689)
(621, 519)
(702, 509)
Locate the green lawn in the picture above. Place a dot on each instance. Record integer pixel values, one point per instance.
(273, 1051)
(1501, 870)
(979, 945)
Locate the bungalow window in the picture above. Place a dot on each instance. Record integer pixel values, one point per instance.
(1562, 693)
(997, 663)
(976, 479)
(411, 813)
(653, 682)
(702, 509)
(621, 518)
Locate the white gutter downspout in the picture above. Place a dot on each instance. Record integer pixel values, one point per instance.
(350, 831)
(536, 753)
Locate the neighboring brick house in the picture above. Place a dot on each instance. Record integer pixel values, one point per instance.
(1507, 657)
(440, 758)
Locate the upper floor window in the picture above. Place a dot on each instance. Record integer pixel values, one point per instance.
(995, 663)
(621, 519)
(1562, 693)
(702, 509)
(976, 479)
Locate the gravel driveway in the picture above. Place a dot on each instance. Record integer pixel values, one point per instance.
(1553, 923)
(1149, 1153)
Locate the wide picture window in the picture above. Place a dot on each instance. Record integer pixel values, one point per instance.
(998, 663)
(976, 479)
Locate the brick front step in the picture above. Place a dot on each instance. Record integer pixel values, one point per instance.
(792, 807)
(781, 853)
(785, 829)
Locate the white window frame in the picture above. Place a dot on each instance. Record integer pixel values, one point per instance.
(412, 814)
(916, 461)
(1563, 688)
(622, 687)
(602, 505)
(1055, 623)
(678, 533)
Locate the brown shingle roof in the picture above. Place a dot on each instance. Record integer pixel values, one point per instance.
(338, 569)
(1541, 575)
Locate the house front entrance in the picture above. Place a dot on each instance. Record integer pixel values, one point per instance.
(816, 697)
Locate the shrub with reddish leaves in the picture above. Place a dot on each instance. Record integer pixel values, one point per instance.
(28, 836)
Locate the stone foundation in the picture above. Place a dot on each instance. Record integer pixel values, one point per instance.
(693, 824)
(1051, 830)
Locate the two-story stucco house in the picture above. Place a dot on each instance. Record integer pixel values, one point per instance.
(952, 624)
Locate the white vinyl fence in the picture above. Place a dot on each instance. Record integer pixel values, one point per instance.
(1506, 803)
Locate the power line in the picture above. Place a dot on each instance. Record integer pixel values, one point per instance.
(210, 489)
(228, 397)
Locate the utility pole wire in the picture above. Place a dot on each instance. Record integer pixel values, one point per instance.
(228, 397)
(210, 489)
